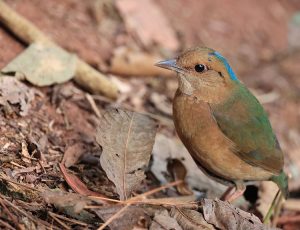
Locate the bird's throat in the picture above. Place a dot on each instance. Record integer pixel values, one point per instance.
(184, 85)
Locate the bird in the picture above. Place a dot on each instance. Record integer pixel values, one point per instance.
(222, 124)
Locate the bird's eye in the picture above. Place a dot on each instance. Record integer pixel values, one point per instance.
(200, 68)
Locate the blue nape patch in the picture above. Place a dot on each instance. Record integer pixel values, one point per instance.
(229, 70)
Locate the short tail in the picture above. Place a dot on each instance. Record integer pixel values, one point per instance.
(282, 182)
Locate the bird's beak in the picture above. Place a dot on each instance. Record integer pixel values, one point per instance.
(170, 64)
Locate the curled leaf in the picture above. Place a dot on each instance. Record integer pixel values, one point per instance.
(178, 171)
(190, 219)
(162, 220)
(127, 139)
(13, 92)
(76, 184)
(126, 219)
(225, 216)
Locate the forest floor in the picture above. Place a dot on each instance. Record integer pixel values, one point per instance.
(51, 176)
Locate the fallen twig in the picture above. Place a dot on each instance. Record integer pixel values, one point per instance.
(7, 225)
(93, 104)
(19, 184)
(136, 199)
(68, 219)
(29, 216)
(11, 216)
(86, 76)
(59, 221)
(113, 217)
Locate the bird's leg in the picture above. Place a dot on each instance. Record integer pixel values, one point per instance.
(274, 205)
(234, 192)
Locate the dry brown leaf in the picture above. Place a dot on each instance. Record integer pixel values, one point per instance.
(76, 184)
(190, 219)
(62, 199)
(127, 139)
(178, 171)
(70, 203)
(162, 221)
(126, 220)
(223, 215)
(73, 154)
(136, 63)
(44, 65)
(147, 21)
(15, 92)
(25, 154)
(169, 148)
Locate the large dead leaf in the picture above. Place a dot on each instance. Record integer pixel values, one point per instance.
(44, 65)
(223, 215)
(146, 20)
(162, 220)
(14, 92)
(127, 139)
(166, 148)
(190, 219)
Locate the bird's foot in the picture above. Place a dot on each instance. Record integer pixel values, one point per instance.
(234, 192)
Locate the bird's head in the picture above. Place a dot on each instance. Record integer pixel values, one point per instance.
(201, 70)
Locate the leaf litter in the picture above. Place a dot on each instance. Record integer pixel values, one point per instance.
(66, 126)
(127, 139)
(14, 92)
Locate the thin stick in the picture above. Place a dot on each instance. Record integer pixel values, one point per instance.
(135, 199)
(106, 199)
(18, 165)
(190, 205)
(68, 219)
(17, 183)
(7, 225)
(59, 221)
(143, 195)
(24, 213)
(270, 211)
(41, 165)
(277, 210)
(30, 158)
(114, 216)
(93, 105)
(86, 75)
(11, 216)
